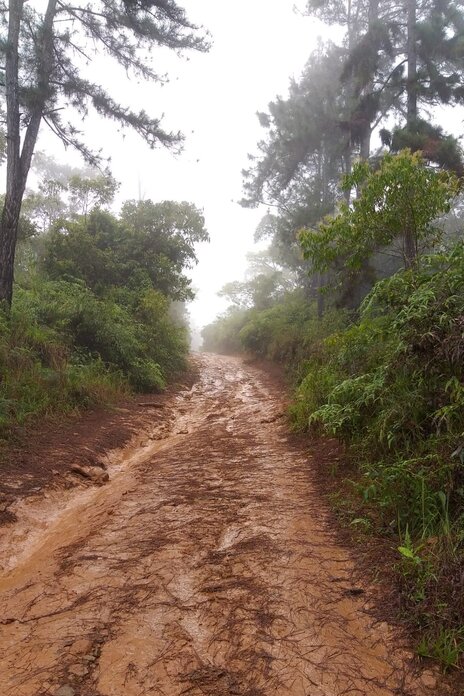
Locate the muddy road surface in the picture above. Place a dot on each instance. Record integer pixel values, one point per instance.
(205, 565)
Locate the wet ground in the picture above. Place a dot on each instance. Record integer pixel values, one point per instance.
(205, 566)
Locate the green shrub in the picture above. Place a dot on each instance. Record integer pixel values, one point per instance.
(132, 333)
(63, 348)
(391, 386)
(39, 379)
(395, 384)
(223, 335)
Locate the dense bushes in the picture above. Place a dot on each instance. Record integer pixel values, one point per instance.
(392, 387)
(131, 333)
(92, 313)
(284, 333)
(42, 375)
(148, 245)
(63, 348)
(389, 382)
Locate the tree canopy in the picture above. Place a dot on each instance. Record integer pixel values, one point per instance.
(45, 54)
(150, 245)
(398, 203)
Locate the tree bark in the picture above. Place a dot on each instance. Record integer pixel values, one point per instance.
(365, 149)
(412, 65)
(320, 295)
(347, 157)
(12, 206)
(410, 244)
(372, 20)
(410, 249)
(19, 162)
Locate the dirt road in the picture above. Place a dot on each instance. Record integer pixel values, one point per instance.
(205, 566)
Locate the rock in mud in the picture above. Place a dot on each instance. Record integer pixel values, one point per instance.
(78, 670)
(5, 504)
(429, 680)
(65, 690)
(83, 645)
(89, 658)
(98, 476)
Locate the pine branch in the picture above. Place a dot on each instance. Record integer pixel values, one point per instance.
(71, 140)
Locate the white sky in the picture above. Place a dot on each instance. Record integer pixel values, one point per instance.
(213, 99)
(258, 45)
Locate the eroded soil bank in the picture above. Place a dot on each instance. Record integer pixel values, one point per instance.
(206, 565)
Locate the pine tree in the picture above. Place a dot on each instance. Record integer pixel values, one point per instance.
(300, 160)
(401, 56)
(43, 55)
(302, 155)
(435, 59)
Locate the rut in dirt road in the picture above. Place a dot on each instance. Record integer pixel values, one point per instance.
(205, 566)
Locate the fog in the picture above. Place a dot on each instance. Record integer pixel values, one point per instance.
(347, 329)
(213, 99)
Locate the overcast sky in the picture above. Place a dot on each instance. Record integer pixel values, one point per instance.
(213, 98)
(258, 45)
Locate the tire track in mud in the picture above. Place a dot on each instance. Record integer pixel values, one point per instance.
(206, 566)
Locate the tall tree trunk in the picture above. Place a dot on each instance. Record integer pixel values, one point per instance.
(8, 238)
(347, 159)
(12, 206)
(19, 162)
(320, 295)
(412, 65)
(349, 24)
(410, 244)
(409, 248)
(373, 13)
(365, 149)
(373, 18)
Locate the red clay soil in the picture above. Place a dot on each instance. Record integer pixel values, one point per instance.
(42, 456)
(207, 564)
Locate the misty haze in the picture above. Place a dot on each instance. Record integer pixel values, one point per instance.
(232, 348)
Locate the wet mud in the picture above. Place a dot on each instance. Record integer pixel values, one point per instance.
(205, 566)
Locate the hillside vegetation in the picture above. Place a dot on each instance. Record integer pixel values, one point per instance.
(364, 273)
(384, 375)
(98, 309)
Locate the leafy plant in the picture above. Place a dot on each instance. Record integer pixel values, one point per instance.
(398, 204)
(446, 646)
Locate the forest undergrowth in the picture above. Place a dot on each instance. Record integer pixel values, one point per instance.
(98, 311)
(386, 378)
(63, 349)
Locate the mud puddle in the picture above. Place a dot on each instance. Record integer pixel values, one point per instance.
(205, 566)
